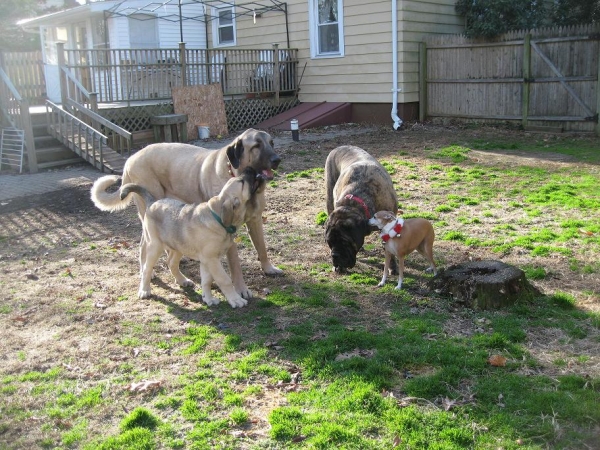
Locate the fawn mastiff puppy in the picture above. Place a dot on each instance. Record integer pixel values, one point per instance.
(194, 174)
(400, 238)
(201, 231)
(357, 186)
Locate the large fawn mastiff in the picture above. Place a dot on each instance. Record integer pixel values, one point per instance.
(193, 175)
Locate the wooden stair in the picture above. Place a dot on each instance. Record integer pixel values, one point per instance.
(48, 150)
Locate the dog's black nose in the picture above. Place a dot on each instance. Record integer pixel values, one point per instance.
(275, 160)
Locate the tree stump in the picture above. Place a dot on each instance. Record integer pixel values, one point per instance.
(484, 284)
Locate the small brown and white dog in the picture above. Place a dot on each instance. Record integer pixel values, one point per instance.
(400, 238)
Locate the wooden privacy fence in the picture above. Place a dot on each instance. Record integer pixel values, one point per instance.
(541, 78)
(26, 71)
(118, 75)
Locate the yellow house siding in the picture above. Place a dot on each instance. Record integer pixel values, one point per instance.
(364, 73)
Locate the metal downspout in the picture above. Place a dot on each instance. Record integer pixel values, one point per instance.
(397, 120)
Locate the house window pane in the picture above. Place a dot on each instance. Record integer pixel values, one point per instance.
(329, 39)
(225, 35)
(328, 11)
(225, 17)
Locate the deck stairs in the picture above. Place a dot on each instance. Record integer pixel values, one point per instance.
(49, 151)
(85, 142)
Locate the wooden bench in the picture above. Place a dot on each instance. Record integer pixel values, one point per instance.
(170, 127)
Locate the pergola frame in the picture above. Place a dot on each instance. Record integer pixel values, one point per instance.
(252, 8)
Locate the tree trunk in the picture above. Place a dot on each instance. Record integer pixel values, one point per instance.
(484, 284)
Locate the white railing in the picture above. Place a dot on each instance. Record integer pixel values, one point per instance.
(117, 75)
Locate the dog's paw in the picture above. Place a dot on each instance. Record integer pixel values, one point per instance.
(186, 282)
(237, 302)
(382, 284)
(210, 300)
(144, 293)
(272, 270)
(245, 293)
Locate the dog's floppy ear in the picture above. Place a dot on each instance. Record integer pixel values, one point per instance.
(234, 152)
(387, 215)
(366, 228)
(228, 210)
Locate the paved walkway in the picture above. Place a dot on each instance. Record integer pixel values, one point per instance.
(14, 186)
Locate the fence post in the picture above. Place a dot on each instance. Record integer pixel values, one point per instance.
(526, 78)
(29, 140)
(598, 96)
(183, 59)
(94, 102)
(276, 72)
(422, 81)
(94, 108)
(60, 51)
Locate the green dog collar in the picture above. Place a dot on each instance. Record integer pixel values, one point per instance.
(230, 229)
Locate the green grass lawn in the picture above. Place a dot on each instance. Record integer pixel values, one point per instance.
(336, 376)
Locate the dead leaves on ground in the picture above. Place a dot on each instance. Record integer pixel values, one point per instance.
(444, 403)
(356, 353)
(497, 360)
(118, 243)
(146, 386)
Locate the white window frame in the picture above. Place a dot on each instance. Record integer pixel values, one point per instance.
(216, 26)
(313, 23)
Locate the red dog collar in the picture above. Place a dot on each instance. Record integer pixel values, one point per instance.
(361, 201)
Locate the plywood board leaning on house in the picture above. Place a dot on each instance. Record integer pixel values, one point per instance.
(204, 106)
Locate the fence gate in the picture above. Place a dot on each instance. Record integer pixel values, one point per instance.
(541, 78)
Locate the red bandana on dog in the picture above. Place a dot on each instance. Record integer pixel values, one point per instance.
(391, 230)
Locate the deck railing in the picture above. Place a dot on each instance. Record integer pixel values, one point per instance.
(71, 88)
(76, 134)
(118, 75)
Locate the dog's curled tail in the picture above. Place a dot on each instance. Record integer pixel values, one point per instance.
(129, 188)
(106, 201)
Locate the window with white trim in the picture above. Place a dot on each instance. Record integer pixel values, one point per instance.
(326, 28)
(224, 26)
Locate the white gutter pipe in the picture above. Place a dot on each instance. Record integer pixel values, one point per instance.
(397, 120)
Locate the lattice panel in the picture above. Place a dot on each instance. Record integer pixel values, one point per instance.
(241, 114)
(136, 118)
(246, 113)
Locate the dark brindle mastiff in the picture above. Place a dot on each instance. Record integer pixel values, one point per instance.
(357, 187)
(193, 175)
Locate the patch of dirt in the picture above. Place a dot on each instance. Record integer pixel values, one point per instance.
(69, 272)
